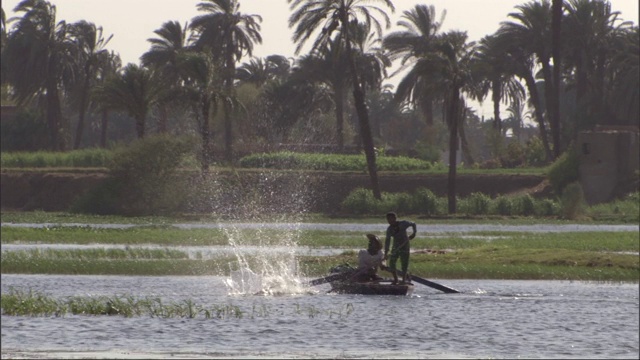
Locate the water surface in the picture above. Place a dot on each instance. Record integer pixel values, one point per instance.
(490, 319)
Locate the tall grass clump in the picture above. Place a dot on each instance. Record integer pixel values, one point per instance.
(573, 202)
(39, 159)
(477, 204)
(144, 179)
(425, 202)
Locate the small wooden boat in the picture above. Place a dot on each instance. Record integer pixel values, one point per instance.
(382, 287)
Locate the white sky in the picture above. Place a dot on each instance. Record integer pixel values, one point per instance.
(132, 22)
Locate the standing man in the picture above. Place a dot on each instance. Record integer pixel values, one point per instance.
(398, 231)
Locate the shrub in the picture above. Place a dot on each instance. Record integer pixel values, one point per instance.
(504, 205)
(534, 152)
(564, 170)
(547, 207)
(360, 201)
(513, 155)
(526, 205)
(144, 179)
(425, 201)
(478, 204)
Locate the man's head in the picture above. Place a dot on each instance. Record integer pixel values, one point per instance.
(375, 244)
(391, 218)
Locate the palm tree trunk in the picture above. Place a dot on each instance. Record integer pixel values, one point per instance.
(103, 128)
(556, 21)
(554, 122)
(162, 119)
(464, 144)
(537, 106)
(81, 112)
(228, 129)
(339, 101)
(495, 96)
(140, 124)
(54, 113)
(361, 109)
(453, 148)
(206, 136)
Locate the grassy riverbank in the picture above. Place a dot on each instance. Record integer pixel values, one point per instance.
(590, 256)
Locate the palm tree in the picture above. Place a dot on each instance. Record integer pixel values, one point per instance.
(135, 91)
(90, 43)
(591, 29)
(446, 68)
(329, 19)
(531, 30)
(110, 66)
(497, 73)
(415, 40)
(36, 56)
(231, 34)
(202, 88)
(327, 66)
(624, 95)
(170, 43)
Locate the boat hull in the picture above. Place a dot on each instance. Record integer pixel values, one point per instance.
(371, 288)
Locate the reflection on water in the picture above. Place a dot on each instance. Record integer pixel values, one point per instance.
(490, 319)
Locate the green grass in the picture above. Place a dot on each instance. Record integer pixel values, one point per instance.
(29, 303)
(598, 256)
(92, 158)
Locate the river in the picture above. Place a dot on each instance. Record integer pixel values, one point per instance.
(489, 319)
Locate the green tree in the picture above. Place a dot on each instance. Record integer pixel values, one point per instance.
(226, 31)
(110, 66)
(448, 65)
(37, 54)
(420, 30)
(531, 30)
(135, 91)
(171, 42)
(497, 74)
(91, 49)
(591, 28)
(327, 65)
(332, 18)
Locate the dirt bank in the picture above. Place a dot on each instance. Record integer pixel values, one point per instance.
(56, 191)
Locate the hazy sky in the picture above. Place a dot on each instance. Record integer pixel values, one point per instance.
(132, 22)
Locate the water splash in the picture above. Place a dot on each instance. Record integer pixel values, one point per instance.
(267, 272)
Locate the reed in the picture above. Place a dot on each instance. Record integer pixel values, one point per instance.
(29, 303)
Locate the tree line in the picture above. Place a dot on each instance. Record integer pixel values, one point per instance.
(568, 65)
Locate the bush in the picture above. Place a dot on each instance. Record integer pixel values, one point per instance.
(360, 201)
(526, 205)
(144, 179)
(564, 170)
(534, 152)
(504, 205)
(547, 207)
(425, 202)
(513, 155)
(478, 204)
